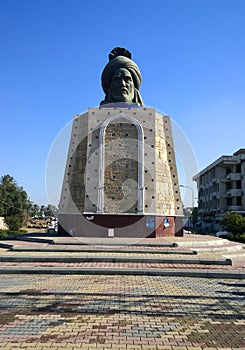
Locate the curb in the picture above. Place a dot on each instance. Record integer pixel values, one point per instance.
(114, 244)
(56, 242)
(118, 271)
(100, 250)
(6, 246)
(34, 239)
(113, 259)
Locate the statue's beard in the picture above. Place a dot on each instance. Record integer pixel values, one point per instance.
(122, 96)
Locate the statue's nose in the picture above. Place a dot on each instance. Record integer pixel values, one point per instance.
(123, 82)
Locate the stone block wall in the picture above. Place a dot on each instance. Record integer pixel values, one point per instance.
(121, 167)
(121, 160)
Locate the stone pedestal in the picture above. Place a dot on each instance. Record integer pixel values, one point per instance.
(121, 177)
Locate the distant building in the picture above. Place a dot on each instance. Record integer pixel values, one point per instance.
(221, 188)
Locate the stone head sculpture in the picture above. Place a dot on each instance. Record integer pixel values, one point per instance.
(121, 79)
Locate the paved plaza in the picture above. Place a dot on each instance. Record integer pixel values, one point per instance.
(121, 312)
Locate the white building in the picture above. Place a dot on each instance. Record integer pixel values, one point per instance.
(221, 187)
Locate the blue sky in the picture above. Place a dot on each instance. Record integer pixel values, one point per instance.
(191, 55)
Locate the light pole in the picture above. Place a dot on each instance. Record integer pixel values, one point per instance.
(192, 194)
(192, 197)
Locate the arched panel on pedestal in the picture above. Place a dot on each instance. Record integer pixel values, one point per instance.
(121, 165)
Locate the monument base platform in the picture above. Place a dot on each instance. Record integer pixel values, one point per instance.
(108, 225)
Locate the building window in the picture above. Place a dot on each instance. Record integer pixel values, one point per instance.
(228, 170)
(238, 168)
(239, 184)
(228, 201)
(228, 186)
(239, 201)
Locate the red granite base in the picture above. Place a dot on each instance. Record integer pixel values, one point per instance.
(106, 225)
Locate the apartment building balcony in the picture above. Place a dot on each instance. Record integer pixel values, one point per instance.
(234, 207)
(230, 161)
(234, 192)
(225, 195)
(224, 179)
(234, 177)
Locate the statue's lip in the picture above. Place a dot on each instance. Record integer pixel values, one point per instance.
(124, 90)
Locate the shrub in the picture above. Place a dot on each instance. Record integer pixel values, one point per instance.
(233, 222)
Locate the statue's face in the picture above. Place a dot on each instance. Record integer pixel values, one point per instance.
(122, 86)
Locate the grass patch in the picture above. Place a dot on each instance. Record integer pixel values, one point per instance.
(7, 233)
(238, 238)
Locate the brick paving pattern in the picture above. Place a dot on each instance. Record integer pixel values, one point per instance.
(121, 312)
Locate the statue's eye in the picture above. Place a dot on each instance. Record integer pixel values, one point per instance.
(116, 79)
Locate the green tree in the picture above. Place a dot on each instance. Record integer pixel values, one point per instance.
(51, 210)
(233, 222)
(14, 203)
(42, 210)
(194, 216)
(34, 210)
